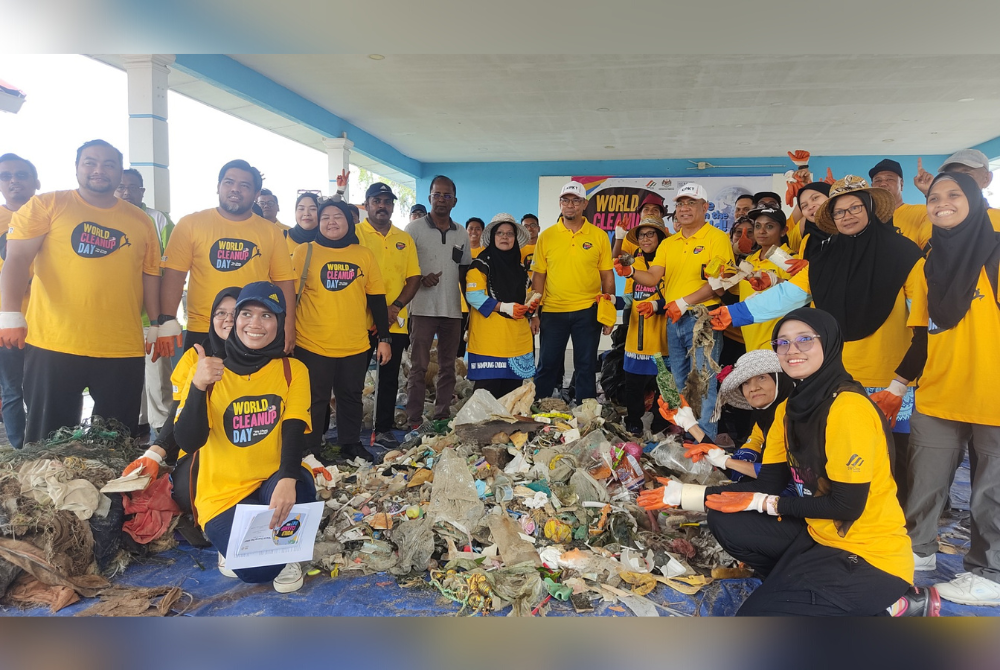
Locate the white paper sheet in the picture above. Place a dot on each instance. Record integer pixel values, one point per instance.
(252, 544)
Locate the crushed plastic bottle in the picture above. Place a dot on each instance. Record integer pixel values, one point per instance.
(670, 454)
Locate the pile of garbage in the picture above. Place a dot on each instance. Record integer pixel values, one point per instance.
(513, 503)
(61, 537)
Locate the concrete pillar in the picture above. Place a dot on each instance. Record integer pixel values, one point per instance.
(147, 124)
(338, 152)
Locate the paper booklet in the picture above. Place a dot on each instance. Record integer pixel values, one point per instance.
(252, 544)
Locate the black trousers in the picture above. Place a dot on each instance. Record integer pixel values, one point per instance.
(802, 577)
(387, 387)
(498, 387)
(635, 402)
(54, 384)
(192, 338)
(346, 378)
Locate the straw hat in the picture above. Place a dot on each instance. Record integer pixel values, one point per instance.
(749, 365)
(883, 201)
(648, 222)
(522, 235)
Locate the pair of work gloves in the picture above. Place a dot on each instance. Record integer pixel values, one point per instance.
(684, 418)
(675, 494)
(518, 311)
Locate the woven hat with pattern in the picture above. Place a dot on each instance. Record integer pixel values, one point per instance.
(883, 201)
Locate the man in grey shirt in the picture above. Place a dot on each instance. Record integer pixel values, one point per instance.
(444, 255)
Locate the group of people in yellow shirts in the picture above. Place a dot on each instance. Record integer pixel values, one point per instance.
(865, 322)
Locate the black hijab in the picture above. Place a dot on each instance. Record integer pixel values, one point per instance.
(816, 236)
(351, 237)
(764, 417)
(857, 278)
(958, 256)
(216, 345)
(243, 360)
(506, 278)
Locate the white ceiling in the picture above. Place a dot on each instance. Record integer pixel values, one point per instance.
(439, 108)
(444, 108)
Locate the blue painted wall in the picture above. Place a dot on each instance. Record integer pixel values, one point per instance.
(487, 188)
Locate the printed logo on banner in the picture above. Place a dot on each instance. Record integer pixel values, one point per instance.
(651, 183)
(400, 245)
(250, 419)
(91, 240)
(338, 275)
(230, 254)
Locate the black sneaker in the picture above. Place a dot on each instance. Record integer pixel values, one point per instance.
(386, 440)
(352, 451)
(918, 601)
(374, 453)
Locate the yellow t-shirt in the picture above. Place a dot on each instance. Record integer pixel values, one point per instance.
(994, 215)
(755, 442)
(180, 378)
(857, 453)
(795, 238)
(5, 216)
(245, 414)
(959, 379)
(332, 318)
(913, 223)
(476, 251)
(291, 244)
(758, 335)
(572, 263)
(495, 335)
(220, 253)
(654, 328)
(873, 360)
(684, 260)
(282, 227)
(632, 250)
(396, 255)
(86, 294)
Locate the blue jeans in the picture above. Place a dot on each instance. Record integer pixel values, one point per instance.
(12, 392)
(554, 332)
(679, 339)
(218, 529)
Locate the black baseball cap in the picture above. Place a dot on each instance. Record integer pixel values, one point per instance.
(418, 209)
(886, 165)
(263, 292)
(757, 197)
(379, 188)
(770, 212)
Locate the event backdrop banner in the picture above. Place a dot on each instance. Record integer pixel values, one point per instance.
(615, 201)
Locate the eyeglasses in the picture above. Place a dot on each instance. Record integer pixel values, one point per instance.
(838, 214)
(803, 343)
(505, 234)
(572, 201)
(687, 203)
(647, 235)
(222, 316)
(22, 175)
(446, 197)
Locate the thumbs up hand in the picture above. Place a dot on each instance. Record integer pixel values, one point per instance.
(208, 371)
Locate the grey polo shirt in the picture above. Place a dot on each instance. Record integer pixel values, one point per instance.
(442, 252)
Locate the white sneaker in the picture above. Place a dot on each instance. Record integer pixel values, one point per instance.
(226, 572)
(970, 589)
(289, 579)
(925, 563)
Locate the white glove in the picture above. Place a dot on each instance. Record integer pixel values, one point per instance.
(895, 387)
(12, 320)
(682, 305)
(685, 418)
(153, 456)
(717, 457)
(171, 328)
(620, 233)
(715, 283)
(507, 308)
(151, 334)
(672, 493)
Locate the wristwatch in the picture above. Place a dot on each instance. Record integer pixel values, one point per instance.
(396, 303)
(163, 318)
(385, 340)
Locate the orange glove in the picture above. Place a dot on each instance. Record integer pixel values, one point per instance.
(800, 158)
(646, 309)
(668, 495)
(738, 501)
(148, 464)
(168, 335)
(513, 309)
(623, 270)
(721, 318)
(676, 309)
(745, 243)
(13, 329)
(683, 416)
(763, 282)
(796, 266)
(890, 400)
(603, 296)
(829, 176)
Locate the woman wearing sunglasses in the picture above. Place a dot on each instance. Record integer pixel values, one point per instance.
(839, 547)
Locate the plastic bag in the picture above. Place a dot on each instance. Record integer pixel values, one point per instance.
(454, 498)
(518, 402)
(588, 450)
(480, 408)
(587, 411)
(513, 549)
(416, 544)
